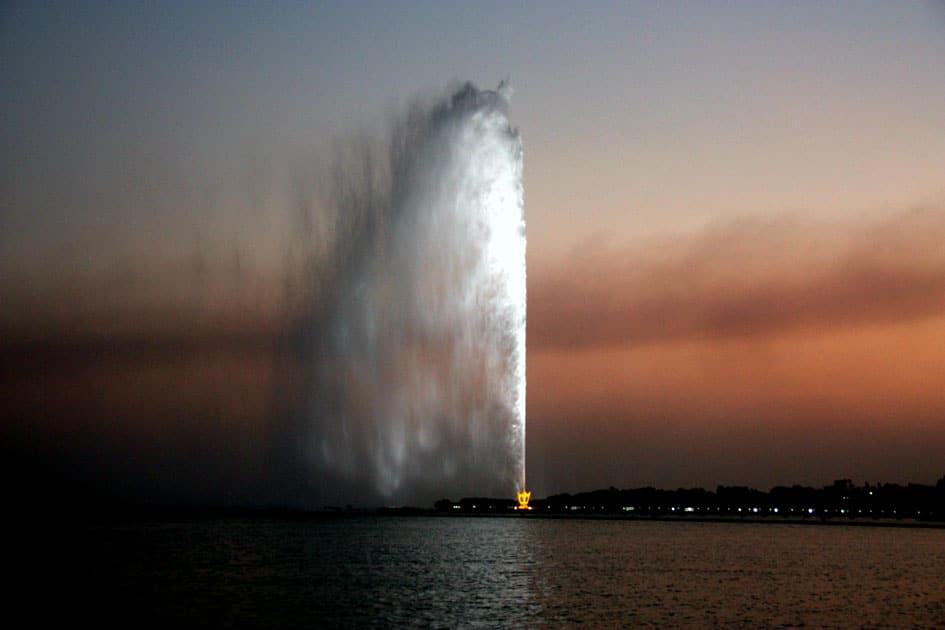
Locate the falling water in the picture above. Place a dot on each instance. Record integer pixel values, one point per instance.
(417, 328)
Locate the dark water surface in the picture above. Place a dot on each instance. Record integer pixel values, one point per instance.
(512, 572)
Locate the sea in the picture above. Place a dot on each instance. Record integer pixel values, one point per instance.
(451, 572)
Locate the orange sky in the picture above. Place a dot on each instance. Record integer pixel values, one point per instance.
(759, 332)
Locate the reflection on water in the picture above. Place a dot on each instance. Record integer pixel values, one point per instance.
(430, 571)
(448, 572)
(742, 574)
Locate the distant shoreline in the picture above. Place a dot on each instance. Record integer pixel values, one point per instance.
(767, 520)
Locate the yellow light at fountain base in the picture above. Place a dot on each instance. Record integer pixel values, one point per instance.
(523, 498)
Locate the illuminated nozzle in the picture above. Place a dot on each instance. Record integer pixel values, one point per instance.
(523, 498)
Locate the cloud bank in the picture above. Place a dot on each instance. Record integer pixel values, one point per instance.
(751, 277)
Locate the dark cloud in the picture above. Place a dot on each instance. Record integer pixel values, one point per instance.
(745, 278)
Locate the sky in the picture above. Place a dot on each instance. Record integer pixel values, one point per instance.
(735, 217)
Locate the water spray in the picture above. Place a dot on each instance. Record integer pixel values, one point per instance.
(418, 362)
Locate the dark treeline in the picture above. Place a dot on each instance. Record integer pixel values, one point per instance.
(842, 499)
